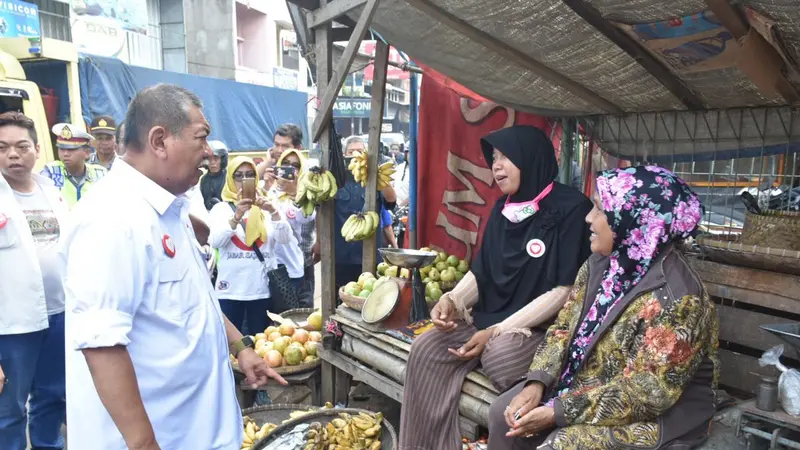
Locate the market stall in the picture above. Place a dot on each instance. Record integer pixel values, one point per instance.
(682, 84)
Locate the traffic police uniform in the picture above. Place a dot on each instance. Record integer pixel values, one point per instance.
(103, 125)
(72, 188)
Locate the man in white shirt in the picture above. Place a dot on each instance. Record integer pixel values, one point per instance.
(32, 214)
(147, 359)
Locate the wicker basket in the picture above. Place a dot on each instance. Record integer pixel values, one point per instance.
(388, 436)
(774, 229)
(752, 256)
(351, 301)
(275, 413)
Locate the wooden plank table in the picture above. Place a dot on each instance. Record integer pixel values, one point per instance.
(379, 360)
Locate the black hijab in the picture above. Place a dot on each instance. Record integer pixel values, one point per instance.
(508, 276)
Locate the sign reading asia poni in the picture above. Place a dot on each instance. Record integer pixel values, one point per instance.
(352, 107)
(457, 190)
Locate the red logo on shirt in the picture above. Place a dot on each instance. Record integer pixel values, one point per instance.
(535, 248)
(290, 214)
(169, 246)
(3, 221)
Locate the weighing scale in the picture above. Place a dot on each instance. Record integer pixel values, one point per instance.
(411, 305)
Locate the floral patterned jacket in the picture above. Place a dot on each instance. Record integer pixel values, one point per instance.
(649, 371)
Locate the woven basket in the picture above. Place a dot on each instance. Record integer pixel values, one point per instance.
(275, 413)
(351, 301)
(774, 229)
(752, 256)
(388, 436)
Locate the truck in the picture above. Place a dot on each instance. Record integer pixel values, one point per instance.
(18, 92)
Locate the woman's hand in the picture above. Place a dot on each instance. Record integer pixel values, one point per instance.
(525, 402)
(474, 347)
(288, 186)
(540, 419)
(266, 205)
(444, 314)
(242, 206)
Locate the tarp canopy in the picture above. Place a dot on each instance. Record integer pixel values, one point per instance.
(243, 116)
(542, 56)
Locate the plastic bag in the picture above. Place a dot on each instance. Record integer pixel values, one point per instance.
(789, 382)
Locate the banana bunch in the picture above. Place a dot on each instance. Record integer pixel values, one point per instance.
(360, 226)
(385, 172)
(253, 433)
(358, 167)
(316, 186)
(361, 432)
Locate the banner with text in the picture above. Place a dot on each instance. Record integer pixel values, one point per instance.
(456, 188)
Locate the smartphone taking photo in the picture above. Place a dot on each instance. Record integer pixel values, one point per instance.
(249, 188)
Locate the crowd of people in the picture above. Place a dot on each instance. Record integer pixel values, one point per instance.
(131, 273)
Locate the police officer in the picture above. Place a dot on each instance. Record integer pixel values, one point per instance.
(104, 131)
(72, 175)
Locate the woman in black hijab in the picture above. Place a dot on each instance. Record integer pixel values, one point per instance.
(533, 245)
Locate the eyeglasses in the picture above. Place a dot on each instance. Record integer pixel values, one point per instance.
(238, 176)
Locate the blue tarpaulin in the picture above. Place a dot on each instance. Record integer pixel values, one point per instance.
(243, 116)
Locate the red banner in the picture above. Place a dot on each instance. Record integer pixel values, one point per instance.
(392, 72)
(456, 190)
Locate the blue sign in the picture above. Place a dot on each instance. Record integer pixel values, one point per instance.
(19, 19)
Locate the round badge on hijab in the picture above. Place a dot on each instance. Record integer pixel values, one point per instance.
(169, 246)
(535, 248)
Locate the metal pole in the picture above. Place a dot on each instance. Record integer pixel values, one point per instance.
(413, 163)
(567, 147)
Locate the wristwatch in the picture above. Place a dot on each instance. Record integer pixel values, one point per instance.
(243, 343)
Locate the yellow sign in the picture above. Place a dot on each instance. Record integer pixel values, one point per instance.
(102, 123)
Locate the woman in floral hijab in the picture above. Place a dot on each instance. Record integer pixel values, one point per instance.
(631, 360)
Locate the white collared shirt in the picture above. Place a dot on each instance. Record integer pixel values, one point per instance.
(23, 306)
(123, 287)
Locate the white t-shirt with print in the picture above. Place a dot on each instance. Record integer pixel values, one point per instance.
(45, 230)
(240, 274)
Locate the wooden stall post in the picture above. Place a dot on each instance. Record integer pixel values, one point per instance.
(335, 383)
(369, 260)
(324, 48)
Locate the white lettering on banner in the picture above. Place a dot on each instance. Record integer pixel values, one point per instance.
(458, 167)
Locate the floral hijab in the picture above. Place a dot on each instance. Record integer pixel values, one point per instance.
(648, 208)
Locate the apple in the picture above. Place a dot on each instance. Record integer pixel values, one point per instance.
(270, 329)
(434, 275)
(452, 261)
(382, 268)
(463, 266)
(364, 277)
(431, 286)
(365, 293)
(369, 284)
(425, 281)
(447, 276)
(392, 271)
(435, 294)
(441, 257)
(425, 270)
(260, 336)
(441, 266)
(404, 273)
(352, 288)
(459, 276)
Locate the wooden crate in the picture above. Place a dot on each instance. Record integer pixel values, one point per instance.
(746, 299)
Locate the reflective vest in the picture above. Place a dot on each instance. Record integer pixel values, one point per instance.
(71, 193)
